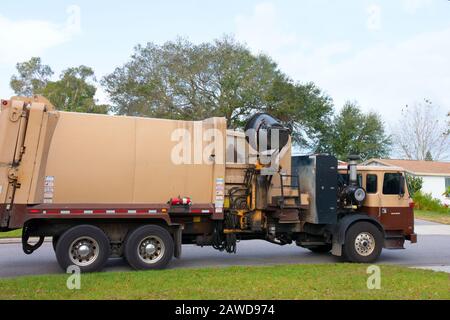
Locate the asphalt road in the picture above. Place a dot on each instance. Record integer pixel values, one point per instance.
(431, 251)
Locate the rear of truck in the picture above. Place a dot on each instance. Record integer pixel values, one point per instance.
(26, 128)
(105, 178)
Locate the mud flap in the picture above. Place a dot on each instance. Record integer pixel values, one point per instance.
(336, 249)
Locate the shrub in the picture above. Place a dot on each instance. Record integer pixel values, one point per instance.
(414, 184)
(447, 192)
(424, 201)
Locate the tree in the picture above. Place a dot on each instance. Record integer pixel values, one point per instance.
(32, 77)
(428, 156)
(353, 132)
(304, 109)
(181, 80)
(74, 91)
(422, 130)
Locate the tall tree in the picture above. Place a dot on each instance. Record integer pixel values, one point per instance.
(181, 80)
(74, 91)
(354, 132)
(422, 130)
(304, 108)
(187, 81)
(32, 77)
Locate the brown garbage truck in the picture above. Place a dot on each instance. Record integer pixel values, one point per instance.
(106, 186)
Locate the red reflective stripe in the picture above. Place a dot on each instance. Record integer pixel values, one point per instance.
(201, 210)
(103, 211)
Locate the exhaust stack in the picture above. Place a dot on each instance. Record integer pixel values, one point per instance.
(353, 176)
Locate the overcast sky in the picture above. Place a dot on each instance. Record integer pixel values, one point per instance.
(383, 54)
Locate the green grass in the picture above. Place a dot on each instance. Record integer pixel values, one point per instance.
(11, 234)
(440, 217)
(326, 281)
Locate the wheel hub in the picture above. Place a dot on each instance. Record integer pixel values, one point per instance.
(151, 249)
(83, 251)
(364, 244)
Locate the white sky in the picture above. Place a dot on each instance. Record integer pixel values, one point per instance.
(384, 54)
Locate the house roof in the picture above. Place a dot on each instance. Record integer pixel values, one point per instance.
(417, 167)
(373, 168)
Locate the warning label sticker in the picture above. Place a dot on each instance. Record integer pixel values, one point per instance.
(220, 194)
(49, 188)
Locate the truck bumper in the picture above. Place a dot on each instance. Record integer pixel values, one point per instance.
(412, 238)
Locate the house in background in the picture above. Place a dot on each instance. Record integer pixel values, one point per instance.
(435, 175)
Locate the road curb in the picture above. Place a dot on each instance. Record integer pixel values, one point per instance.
(18, 240)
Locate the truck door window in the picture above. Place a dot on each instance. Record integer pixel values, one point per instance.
(371, 183)
(391, 183)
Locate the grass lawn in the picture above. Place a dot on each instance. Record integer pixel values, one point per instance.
(11, 234)
(326, 281)
(432, 216)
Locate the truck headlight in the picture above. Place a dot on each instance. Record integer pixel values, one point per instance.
(359, 194)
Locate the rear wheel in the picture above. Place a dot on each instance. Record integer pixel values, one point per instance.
(84, 246)
(149, 247)
(324, 248)
(54, 242)
(363, 243)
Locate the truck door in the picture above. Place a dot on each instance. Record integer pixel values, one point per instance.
(373, 185)
(26, 127)
(395, 212)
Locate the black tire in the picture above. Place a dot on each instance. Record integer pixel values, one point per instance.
(54, 242)
(363, 243)
(160, 241)
(92, 237)
(324, 248)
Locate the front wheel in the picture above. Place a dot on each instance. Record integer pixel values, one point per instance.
(149, 247)
(363, 243)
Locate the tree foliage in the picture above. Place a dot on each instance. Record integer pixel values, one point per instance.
(354, 132)
(74, 91)
(181, 80)
(32, 77)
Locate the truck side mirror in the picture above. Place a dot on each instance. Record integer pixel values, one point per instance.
(401, 191)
